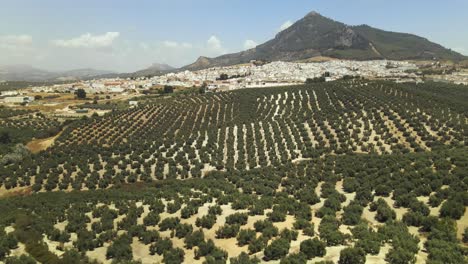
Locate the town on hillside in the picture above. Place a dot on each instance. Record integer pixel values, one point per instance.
(251, 75)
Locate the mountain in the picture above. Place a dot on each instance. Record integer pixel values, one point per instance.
(403, 46)
(29, 73)
(22, 73)
(82, 73)
(155, 69)
(315, 35)
(161, 67)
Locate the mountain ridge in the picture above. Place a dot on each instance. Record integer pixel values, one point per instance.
(315, 35)
(23, 72)
(154, 69)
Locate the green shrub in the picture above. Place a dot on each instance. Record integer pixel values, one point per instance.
(312, 248)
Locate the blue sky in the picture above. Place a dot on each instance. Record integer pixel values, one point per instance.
(126, 35)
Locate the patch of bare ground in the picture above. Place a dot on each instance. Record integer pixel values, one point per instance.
(230, 245)
(370, 217)
(315, 220)
(20, 250)
(333, 254)
(99, 254)
(61, 226)
(379, 258)
(53, 246)
(462, 224)
(141, 252)
(189, 253)
(17, 191)
(421, 256)
(38, 145)
(349, 196)
(400, 211)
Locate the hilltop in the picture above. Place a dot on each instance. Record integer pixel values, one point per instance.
(316, 35)
(154, 69)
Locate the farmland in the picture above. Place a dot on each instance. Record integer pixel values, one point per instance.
(343, 171)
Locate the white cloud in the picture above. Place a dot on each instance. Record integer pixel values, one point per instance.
(214, 47)
(88, 41)
(179, 53)
(186, 45)
(214, 42)
(250, 44)
(13, 41)
(174, 44)
(460, 50)
(285, 25)
(144, 46)
(109, 51)
(170, 44)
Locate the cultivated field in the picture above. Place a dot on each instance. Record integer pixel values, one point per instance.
(356, 171)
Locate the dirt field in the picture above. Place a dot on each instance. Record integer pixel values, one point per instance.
(38, 145)
(462, 224)
(14, 192)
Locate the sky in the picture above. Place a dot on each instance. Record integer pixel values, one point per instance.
(128, 35)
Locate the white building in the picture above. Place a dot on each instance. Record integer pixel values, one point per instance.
(116, 89)
(98, 85)
(9, 93)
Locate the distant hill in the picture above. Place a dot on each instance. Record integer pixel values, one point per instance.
(83, 73)
(155, 69)
(23, 73)
(15, 85)
(315, 35)
(32, 74)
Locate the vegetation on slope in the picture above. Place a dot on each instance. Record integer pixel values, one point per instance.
(295, 173)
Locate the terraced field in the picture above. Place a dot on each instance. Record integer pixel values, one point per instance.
(356, 171)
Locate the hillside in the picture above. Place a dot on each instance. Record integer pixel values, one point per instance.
(155, 69)
(22, 73)
(315, 35)
(402, 46)
(31, 74)
(348, 169)
(16, 85)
